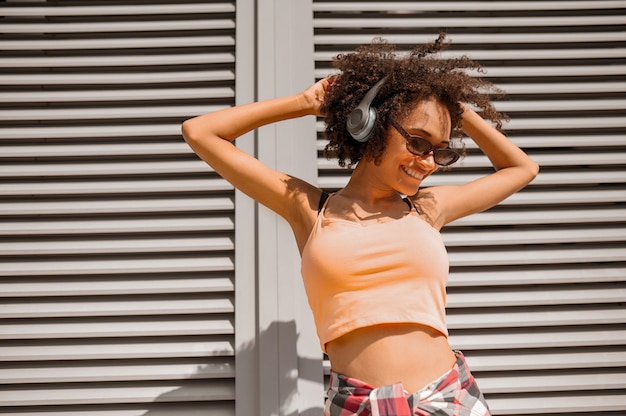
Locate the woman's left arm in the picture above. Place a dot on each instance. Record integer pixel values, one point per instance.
(514, 170)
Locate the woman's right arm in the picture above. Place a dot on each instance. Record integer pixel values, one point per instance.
(210, 136)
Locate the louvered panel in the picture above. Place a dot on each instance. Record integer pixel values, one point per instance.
(537, 283)
(117, 249)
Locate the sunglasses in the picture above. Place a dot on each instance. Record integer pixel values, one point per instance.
(419, 146)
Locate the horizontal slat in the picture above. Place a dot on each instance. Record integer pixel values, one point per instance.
(112, 206)
(594, 141)
(549, 360)
(196, 369)
(118, 26)
(114, 112)
(120, 10)
(572, 158)
(225, 408)
(553, 197)
(531, 71)
(565, 87)
(48, 150)
(554, 158)
(537, 256)
(120, 43)
(412, 39)
(549, 383)
(53, 308)
(133, 78)
(85, 61)
(544, 235)
(128, 328)
(530, 318)
(564, 337)
(539, 216)
(446, 6)
(540, 297)
(129, 245)
(459, 22)
(578, 403)
(120, 187)
(116, 95)
(199, 390)
(126, 286)
(578, 177)
(126, 349)
(581, 273)
(162, 264)
(77, 132)
(74, 226)
(561, 105)
(510, 54)
(337, 181)
(527, 197)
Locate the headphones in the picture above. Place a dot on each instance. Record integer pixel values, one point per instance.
(360, 124)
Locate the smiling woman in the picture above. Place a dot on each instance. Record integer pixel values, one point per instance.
(373, 262)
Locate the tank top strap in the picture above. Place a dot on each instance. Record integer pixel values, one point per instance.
(322, 202)
(411, 204)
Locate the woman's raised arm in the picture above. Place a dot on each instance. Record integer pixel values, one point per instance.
(514, 169)
(210, 136)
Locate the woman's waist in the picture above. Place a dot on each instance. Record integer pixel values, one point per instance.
(384, 354)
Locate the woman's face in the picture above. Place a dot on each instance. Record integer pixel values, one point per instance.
(430, 119)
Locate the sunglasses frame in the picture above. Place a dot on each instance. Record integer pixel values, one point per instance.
(432, 149)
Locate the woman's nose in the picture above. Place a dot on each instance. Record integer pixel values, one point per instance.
(427, 161)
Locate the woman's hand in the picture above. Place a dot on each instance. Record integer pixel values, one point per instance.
(314, 95)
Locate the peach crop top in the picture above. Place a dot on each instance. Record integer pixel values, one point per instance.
(361, 275)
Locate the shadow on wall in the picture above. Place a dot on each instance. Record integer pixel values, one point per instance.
(191, 399)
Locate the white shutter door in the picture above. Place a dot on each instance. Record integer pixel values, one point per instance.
(116, 274)
(537, 285)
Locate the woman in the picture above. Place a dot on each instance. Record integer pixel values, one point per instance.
(373, 262)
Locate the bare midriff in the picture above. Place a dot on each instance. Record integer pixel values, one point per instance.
(385, 354)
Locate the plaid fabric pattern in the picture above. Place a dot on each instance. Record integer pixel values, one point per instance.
(453, 394)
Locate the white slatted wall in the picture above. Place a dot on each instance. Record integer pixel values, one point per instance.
(116, 273)
(538, 284)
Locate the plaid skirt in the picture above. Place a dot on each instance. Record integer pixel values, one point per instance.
(453, 394)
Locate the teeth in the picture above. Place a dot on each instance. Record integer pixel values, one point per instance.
(412, 173)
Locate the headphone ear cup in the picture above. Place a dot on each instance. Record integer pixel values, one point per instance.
(361, 122)
(362, 119)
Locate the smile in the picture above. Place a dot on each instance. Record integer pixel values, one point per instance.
(413, 173)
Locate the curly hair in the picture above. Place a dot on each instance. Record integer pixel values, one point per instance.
(417, 76)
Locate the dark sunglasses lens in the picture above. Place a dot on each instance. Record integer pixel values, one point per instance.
(445, 157)
(419, 146)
